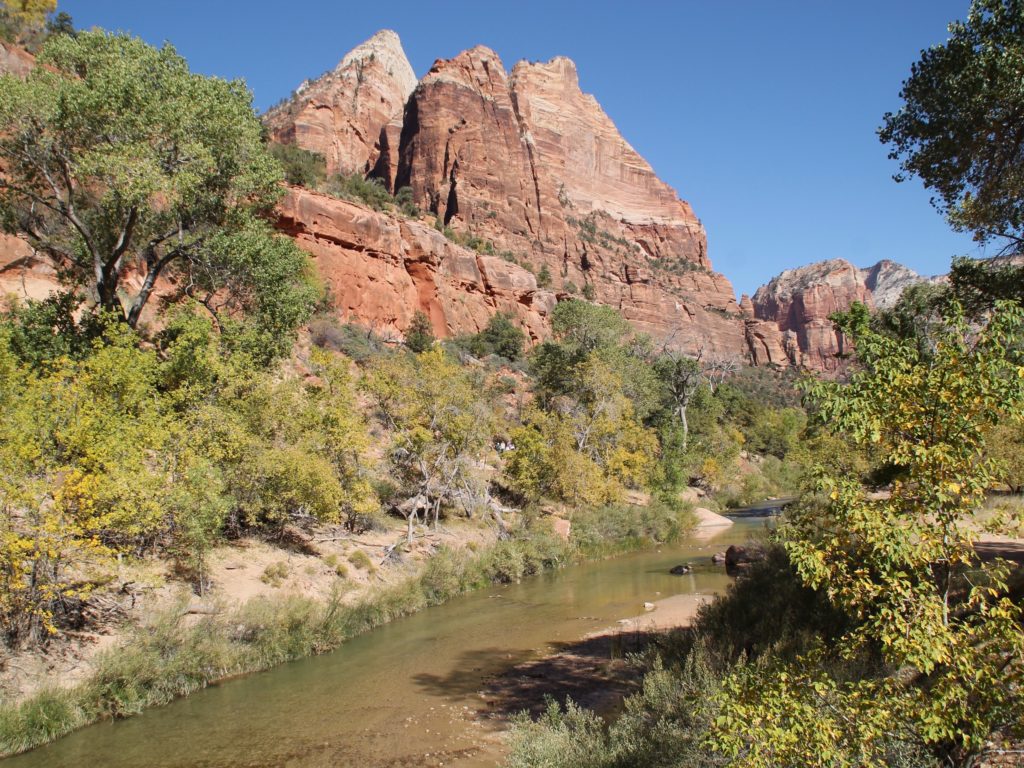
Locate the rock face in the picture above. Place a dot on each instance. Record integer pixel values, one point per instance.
(529, 164)
(342, 114)
(792, 310)
(15, 60)
(381, 270)
(533, 169)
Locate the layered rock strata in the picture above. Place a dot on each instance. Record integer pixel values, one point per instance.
(381, 269)
(798, 302)
(533, 168)
(342, 114)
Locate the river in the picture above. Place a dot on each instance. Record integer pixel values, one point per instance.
(406, 694)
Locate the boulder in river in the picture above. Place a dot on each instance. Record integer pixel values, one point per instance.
(739, 559)
(680, 570)
(718, 558)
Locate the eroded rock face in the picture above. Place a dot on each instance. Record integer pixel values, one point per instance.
(15, 60)
(382, 269)
(341, 114)
(533, 165)
(798, 303)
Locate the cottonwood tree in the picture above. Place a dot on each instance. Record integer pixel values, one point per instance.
(120, 162)
(441, 427)
(29, 11)
(936, 639)
(682, 377)
(961, 126)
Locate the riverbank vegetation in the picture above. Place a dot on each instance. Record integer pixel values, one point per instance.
(872, 635)
(172, 653)
(876, 631)
(187, 400)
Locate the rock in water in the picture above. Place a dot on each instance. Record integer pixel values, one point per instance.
(680, 570)
(739, 559)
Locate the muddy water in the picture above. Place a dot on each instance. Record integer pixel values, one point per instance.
(407, 694)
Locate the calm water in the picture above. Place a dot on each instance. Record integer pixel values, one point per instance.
(407, 694)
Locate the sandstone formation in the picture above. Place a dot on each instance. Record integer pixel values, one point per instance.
(792, 310)
(535, 171)
(382, 269)
(533, 167)
(15, 60)
(23, 274)
(341, 115)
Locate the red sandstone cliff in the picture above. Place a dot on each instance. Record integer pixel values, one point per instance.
(341, 115)
(530, 163)
(381, 269)
(793, 308)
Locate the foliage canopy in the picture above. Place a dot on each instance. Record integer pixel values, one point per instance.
(118, 160)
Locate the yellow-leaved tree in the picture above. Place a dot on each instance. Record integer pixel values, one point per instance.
(935, 655)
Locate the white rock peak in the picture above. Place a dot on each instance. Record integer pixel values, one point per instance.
(384, 47)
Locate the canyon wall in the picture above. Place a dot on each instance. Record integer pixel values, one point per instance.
(535, 171)
(341, 114)
(798, 303)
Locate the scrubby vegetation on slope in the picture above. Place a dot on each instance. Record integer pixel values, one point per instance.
(167, 404)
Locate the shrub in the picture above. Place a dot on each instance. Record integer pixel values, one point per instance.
(355, 341)
(356, 188)
(544, 276)
(500, 337)
(301, 167)
(361, 560)
(406, 204)
(420, 336)
(275, 573)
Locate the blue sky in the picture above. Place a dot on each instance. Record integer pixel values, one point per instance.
(761, 114)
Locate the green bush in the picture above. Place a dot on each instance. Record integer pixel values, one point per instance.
(501, 337)
(544, 277)
(406, 204)
(358, 189)
(301, 167)
(420, 336)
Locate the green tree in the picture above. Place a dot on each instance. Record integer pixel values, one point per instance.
(119, 160)
(420, 336)
(935, 653)
(681, 377)
(961, 126)
(582, 331)
(301, 167)
(1005, 444)
(30, 11)
(500, 337)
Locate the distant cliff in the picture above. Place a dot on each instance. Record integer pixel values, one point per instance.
(799, 301)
